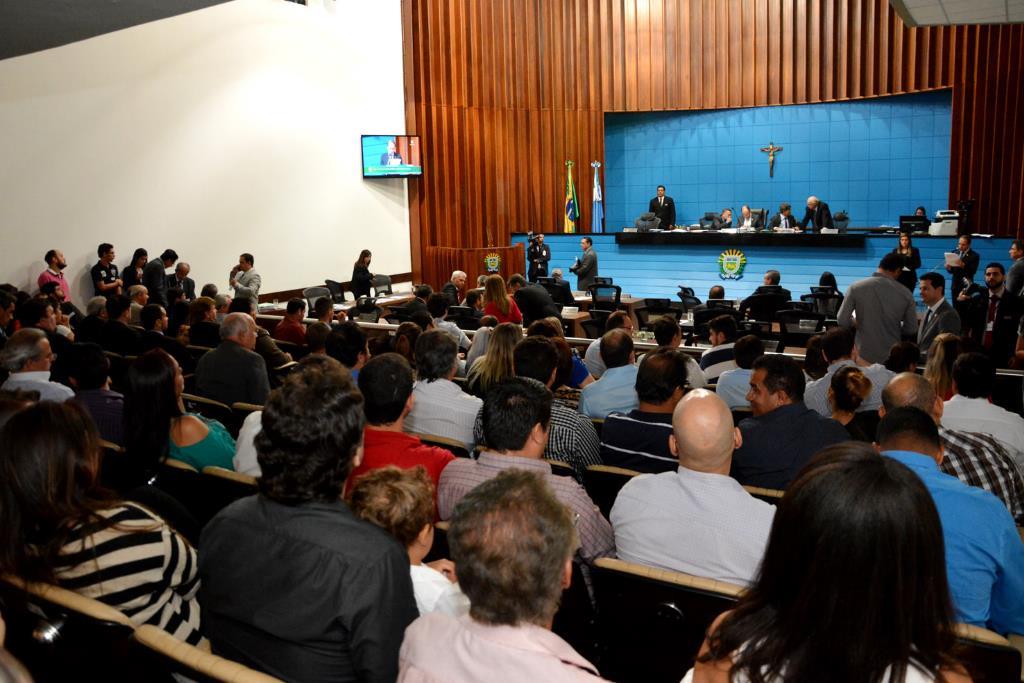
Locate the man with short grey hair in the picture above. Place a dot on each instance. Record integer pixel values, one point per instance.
(179, 279)
(880, 309)
(514, 590)
(452, 288)
(233, 372)
(90, 329)
(28, 357)
(221, 303)
(817, 217)
(140, 297)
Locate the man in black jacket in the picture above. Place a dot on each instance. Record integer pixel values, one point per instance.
(991, 318)
(538, 256)
(962, 274)
(533, 301)
(154, 276)
(817, 216)
(180, 279)
(664, 208)
(154, 321)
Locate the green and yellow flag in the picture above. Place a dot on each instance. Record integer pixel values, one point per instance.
(572, 206)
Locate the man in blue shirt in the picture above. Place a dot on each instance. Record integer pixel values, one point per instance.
(984, 553)
(615, 391)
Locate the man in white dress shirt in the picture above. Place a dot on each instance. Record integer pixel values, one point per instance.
(970, 409)
(28, 357)
(696, 520)
(441, 408)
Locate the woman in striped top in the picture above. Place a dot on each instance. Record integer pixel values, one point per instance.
(57, 526)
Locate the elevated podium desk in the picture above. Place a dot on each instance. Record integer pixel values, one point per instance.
(742, 239)
(654, 264)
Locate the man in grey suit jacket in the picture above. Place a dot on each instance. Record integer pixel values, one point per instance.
(884, 310)
(233, 372)
(586, 267)
(940, 316)
(244, 279)
(1015, 275)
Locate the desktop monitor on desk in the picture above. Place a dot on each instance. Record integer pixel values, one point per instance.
(909, 224)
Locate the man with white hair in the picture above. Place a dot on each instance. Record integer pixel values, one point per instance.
(452, 288)
(233, 372)
(140, 297)
(28, 357)
(90, 329)
(818, 216)
(695, 519)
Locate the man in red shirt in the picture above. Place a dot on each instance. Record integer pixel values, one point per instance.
(291, 329)
(386, 384)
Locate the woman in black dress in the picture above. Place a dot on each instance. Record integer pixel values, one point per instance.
(911, 262)
(361, 275)
(132, 274)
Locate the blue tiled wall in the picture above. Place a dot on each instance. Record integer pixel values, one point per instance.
(658, 270)
(877, 159)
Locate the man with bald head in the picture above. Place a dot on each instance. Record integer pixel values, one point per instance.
(696, 519)
(974, 458)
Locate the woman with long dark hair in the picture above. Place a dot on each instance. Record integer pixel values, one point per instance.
(132, 273)
(911, 261)
(156, 426)
(361, 275)
(58, 526)
(852, 588)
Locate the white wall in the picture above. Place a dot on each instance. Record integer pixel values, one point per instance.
(234, 128)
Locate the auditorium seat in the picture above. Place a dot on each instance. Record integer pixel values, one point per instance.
(178, 658)
(605, 297)
(771, 496)
(197, 352)
(560, 468)
(454, 446)
(596, 421)
(214, 410)
(223, 487)
(987, 656)
(575, 620)
(62, 636)
(651, 622)
(740, 414)
(603, 483)
(297, 351)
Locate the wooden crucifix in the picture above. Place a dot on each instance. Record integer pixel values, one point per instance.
(771, 149)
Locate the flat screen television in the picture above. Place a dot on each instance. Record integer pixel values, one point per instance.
(391, 156)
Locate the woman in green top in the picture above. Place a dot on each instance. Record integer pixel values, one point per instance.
(156, 424)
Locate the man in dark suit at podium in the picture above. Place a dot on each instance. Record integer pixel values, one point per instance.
(818, 216)
(663, 208)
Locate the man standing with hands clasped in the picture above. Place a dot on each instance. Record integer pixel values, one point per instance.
(664, 208)
(538, 256)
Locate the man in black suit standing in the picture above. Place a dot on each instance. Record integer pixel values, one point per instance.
(991, 318)
(154, 276)
(585, 268)
(182, 281)
(818, 216)
(663, 208)
(538, 256)
(962, 274)
(784, 218)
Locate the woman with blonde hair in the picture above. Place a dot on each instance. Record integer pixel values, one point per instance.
(498, 303)
(939, 367)
(495, 365)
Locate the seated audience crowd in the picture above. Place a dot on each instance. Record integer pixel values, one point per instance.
(895, 495)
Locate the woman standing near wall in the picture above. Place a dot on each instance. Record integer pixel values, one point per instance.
(361, 275)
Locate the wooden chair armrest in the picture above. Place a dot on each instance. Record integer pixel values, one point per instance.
(224, 473)
(196, 659)
(71, 600)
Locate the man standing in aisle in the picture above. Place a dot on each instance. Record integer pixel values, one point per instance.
(245, 280)
(538, 256)
(585, 268)
(664, 208)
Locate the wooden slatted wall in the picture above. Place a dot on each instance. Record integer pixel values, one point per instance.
(504, 91)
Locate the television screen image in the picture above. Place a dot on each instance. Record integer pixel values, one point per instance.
(391, 156)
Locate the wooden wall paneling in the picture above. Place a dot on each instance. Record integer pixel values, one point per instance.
(503, 92)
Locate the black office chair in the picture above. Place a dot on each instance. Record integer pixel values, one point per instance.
(337, 290)
(463, 318)
(605, 297)
(707, 222)
(826, 302)
(690, 302)
(593, 328)
(602, 280)
(702, 317)
(793, 328)
(654, 310)
(688, 291)
(763, 307)
(367, 311)
(541, 280)
(381, 284)
(311, 294)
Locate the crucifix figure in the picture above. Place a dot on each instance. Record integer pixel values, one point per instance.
(771, 149)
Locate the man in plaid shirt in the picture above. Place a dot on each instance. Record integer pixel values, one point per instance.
(973, 458)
